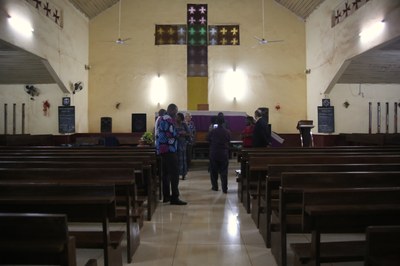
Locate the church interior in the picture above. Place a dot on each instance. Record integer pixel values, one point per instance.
(82, 82)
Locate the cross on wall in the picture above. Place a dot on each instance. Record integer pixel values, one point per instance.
(48, 9)
(197, 35)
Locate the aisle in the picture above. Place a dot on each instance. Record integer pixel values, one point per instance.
(213, 229)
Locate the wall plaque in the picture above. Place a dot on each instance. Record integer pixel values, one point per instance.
(326, 119)
(66, 119)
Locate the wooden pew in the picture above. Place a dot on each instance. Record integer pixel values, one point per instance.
(258, 166)
(245, 153)
(269, 201)
(122, 178)
(147, 152)
(81, 203)
(289, 218)
(383, 245)
(344, 211)
(148, 173)
(36, 239)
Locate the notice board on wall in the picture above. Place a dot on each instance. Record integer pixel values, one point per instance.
(326, 119)
(66, 119)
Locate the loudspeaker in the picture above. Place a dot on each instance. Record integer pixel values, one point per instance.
(138, 122)
(106, 125)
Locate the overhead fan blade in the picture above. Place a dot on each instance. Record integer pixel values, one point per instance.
(122, 41)
(262, 41)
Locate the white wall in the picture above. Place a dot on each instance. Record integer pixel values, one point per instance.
(328, 48)
(65, 48)
(355, 118)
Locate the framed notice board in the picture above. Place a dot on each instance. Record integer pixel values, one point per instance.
(66, 119)
(326, 119)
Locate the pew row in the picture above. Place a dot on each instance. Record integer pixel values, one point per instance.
(37, 239)
(265, 203)
(349, 210)
(121, 178)
(258, 166)
(81, 203)
(288, 220)
(246, 153)
(383, 245)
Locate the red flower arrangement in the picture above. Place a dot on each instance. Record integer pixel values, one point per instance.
(46, 107)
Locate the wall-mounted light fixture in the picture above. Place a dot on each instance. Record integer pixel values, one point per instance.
(20, 25)
(235, 84)
(158, 90)
(372, 31)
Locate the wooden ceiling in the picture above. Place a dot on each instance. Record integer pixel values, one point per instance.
(17, 66)
(302, 8)
(380, 65)
(91, 8)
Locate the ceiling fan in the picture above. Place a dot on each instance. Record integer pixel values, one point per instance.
(120, 40)
(262, 40)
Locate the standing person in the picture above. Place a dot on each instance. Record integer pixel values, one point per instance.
(183, 135)
(260, 133)
(219, 139)
(225, 124)
(192, 138)
(247, 133)
(213, 123)
(167, 147)
(161, 113)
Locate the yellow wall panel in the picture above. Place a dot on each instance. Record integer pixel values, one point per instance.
(197, 91)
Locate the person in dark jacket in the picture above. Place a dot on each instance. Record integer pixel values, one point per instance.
(219, 139)
(260, 134)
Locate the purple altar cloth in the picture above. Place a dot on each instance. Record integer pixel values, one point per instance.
(236, 121)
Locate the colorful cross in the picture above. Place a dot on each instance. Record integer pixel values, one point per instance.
(197, 35)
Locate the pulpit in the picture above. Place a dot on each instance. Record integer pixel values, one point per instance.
(306, 138)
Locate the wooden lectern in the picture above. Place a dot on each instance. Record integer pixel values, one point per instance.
(306, 138)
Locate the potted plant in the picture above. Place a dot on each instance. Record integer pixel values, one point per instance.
(147, 139)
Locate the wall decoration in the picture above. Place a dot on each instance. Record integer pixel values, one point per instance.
(346, 9)
(196, 32)
(197, 35)
(197, 50)
(170, 34)
(223, 35)
(48, 9)
(46, 108)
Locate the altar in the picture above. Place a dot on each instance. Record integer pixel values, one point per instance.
(236, 121)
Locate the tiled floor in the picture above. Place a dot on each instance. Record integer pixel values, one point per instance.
(213, 229)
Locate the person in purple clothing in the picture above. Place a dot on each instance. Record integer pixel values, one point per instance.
(167, 147)
(219, 139)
